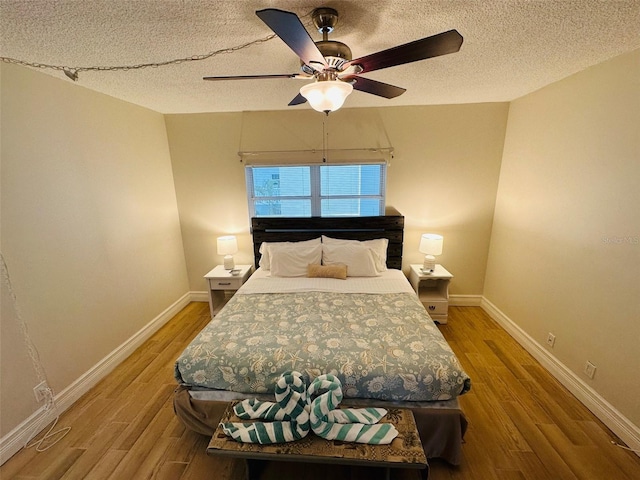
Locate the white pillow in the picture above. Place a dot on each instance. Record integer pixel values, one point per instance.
(264, 249)
(293, 262)
(378, 245)
(360, 260)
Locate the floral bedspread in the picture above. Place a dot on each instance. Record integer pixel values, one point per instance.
(380, 346)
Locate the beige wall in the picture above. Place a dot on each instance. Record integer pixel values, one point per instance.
(444, 179)
(565, 247)
(443, 176)
(90, 229)
(209, 183)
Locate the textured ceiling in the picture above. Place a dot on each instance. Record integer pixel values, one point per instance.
(511, 47)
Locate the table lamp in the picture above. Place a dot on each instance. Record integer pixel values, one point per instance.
(227, 246)
(430, 245)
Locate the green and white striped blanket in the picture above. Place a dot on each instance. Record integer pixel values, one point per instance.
(295, 413)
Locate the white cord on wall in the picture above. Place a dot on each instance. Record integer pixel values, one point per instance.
(50, 438)
(613, 442)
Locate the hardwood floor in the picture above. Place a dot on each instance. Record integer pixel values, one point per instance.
(522, 423)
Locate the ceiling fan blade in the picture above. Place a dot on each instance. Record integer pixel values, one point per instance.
(429, 47)
(374, 87)
(289, 28)
(298, 100)
(252, 77)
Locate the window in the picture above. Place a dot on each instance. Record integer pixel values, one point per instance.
(316, 190)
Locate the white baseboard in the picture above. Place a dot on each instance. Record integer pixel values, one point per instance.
(11, 443)
(628, 432)
(454, 300)
(200, 297)
(465, 300)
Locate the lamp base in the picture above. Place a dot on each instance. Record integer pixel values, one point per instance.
(229, 264)
(429, 264)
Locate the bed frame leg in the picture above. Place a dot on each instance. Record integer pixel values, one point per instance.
(254, 468)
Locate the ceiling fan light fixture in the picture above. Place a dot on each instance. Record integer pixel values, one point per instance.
(326, 96)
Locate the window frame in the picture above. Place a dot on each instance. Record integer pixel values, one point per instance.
(315, 188)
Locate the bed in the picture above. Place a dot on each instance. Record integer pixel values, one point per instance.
(356, 317)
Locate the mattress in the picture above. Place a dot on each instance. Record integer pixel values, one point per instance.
(371, 332)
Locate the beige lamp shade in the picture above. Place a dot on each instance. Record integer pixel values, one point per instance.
(227, 246)
(430, 245)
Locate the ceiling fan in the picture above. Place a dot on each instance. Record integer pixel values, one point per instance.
(329, 62)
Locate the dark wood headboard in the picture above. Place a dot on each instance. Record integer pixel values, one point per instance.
(294, 229)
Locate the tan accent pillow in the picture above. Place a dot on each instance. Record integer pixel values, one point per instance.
(327, 271)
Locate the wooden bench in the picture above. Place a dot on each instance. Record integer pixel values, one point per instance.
(404, 452)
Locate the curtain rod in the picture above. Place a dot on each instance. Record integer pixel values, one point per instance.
(314, 150)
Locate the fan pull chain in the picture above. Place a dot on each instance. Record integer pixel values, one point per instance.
(325, 137)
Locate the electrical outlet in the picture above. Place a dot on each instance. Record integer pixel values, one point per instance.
(40, 391)
(551, 339)
(589, 369)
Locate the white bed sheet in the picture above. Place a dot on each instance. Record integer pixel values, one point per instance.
(389, 281)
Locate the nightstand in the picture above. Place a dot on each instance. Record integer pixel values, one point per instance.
(220, 280)
(433, 290)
